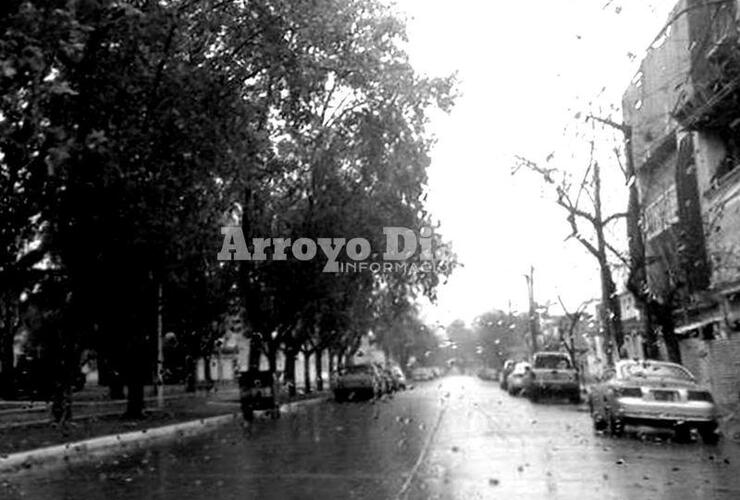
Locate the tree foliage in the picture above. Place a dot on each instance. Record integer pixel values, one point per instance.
(131, 131)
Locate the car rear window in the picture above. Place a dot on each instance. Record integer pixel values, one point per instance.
(520, 368)
(655, 371)
(552, 361)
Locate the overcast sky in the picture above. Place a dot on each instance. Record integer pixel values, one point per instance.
(525, 69)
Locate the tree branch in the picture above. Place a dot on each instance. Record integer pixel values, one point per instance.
(614, 217)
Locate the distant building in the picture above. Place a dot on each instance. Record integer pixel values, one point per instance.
(633, 327)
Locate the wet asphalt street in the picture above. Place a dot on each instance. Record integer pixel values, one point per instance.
(456, 437)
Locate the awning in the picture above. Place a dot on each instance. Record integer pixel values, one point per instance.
(697, 324)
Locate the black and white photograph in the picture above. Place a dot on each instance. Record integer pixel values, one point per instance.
(369, 249)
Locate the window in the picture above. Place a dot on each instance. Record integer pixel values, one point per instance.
(662, 213)
(552, 361)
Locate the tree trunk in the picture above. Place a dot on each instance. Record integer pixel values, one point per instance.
(135, 399)
(317, 364)
(290, 371)
(207, 375)
(614, 309)
(7, 356)
(664, 320)
(64, 367)
(191, 373)
(331, 367)
(255, 352)
(7, 376)
(306, 372)
(116, 388)
(637, 282)
(61, 401)
(272, 357)
(136, 375)
(611, 310)
(650, 345)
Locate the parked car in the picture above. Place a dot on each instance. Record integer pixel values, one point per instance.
(422, 373)
(488, 374)
(399, 379)
(364, 380)
(388, 383)
(554, 374)
(519, 379)
(259, 391)
(656, 394)
(505, 372)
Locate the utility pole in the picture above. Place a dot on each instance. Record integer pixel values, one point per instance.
(532, 309)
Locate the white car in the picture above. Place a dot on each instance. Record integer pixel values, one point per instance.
(519, 379)
(656, 394)
(399, 379)
(422, 373)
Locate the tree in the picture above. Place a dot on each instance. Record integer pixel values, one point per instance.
(567, 333)
(657, 310)
(349, 158)
(135, 128)
(569, 197)
(134, 146)
(500, 336)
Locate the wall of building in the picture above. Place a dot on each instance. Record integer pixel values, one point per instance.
(226, 367)
(700, 239)
(661, 81)
(716, 364)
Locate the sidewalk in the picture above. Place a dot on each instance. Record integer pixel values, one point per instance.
(93, 402)
(729, 422)
(105, 419)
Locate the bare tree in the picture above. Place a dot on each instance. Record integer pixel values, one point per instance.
(657, 311)
(570, 198)
(568, 334)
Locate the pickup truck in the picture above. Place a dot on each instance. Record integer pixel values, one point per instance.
(554, 374)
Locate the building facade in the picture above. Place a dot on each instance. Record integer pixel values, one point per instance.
(683, 110)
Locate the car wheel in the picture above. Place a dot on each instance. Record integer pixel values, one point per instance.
(247, 411)
(534, 395)
(708, 433)
(575, 398)
(598, 420)
(616, 426)
(682, 433)
(599, 423)
(339, 396)
(511, 391)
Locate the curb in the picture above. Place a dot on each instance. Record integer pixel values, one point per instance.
(82, 451)
(289, 407)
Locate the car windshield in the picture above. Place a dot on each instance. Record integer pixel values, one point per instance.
(356, 369)
(655, 371)
(552, 361)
